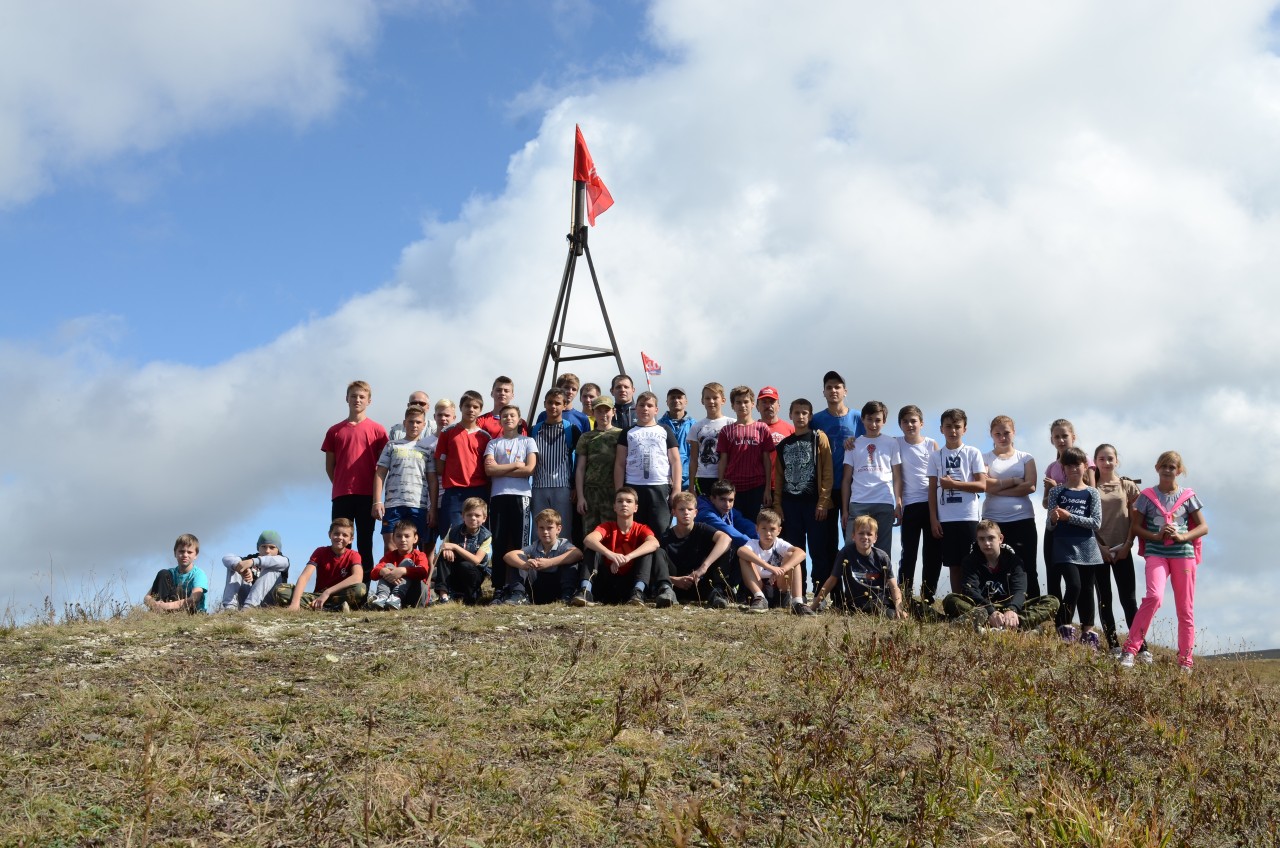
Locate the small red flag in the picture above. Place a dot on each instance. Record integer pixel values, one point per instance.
(651, 366)
(584, 170)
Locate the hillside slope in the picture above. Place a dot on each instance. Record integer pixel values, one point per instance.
(555, 726)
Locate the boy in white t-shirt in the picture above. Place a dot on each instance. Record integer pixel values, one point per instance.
(872, 477)
(704, 461)
(509, 462)
(770, 562)
(915, 449)
(957, 475)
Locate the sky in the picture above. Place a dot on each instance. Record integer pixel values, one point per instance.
(212, 218)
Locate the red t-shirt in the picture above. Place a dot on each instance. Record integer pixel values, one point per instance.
(355, 449)
(745, 445)
(623, 543)
(391, 559)
(463, 455)
(780, 429)
(330, 569)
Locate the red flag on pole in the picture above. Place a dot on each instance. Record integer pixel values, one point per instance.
(584, 170)
(651, 367)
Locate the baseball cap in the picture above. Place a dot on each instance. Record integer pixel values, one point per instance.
(768, 392)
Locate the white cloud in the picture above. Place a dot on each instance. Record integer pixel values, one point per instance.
(84, 82)
(1032, 211)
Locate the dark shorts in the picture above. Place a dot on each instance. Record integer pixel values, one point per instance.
(395, 514)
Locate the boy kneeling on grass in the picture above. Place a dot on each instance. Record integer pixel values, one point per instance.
(339, 575)
(993, 593)
(862, 579)
(618, 564)
(774, 564)
(545, 570)
(182, 587)
(402, 572)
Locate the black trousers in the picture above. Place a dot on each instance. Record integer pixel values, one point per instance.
(610, 588)
(1023, 537)
(359, 508)
(917, 537)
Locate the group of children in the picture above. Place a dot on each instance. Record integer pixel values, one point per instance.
(616, 504)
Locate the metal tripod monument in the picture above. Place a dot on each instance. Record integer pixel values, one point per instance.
(556, 345)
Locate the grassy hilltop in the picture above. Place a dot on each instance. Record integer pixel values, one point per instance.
(555, 726)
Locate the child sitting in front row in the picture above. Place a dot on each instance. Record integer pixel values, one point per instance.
(545, 570)
(339, 575)
(465, 552)
(773, 561)
(863, 575)
(402, 572)
(182, 587)
(994, 591)
(252, 579)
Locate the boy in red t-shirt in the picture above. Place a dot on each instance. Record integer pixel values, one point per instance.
(746, 454)
(619, 559)
(503, 394)
(339, 575)
(460, 462)
(351, 450)
(402, 572)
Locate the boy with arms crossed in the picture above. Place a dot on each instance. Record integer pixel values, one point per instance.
(648, 461)
(546, 570)
(509, 461)
(745, 448)
(351, 450)
(555, 434)
(339, 575)
(182, 587)
(704, 460)
(994, 591)
(772, 562)
(957, 475)
(862, 578)
(465, 553)
(872, 482)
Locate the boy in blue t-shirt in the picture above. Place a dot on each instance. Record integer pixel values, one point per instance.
(841, 424)
(182, 587)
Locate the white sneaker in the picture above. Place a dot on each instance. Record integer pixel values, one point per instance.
(1146, 657)
(1126, 660)
(1184, 669)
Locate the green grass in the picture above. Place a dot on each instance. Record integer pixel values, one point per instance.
(554, 726)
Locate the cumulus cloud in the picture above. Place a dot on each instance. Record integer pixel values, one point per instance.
(1038, 212)
(80, 84)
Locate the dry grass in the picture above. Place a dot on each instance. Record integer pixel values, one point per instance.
(554, 726)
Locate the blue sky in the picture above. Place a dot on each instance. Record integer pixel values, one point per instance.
(212, 217)
(270, 221)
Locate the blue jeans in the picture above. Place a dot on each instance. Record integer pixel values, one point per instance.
(451, 505)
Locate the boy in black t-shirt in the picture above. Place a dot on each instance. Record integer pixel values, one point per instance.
(993, 593)
(696, 557)
(863, 576)
(802, 481)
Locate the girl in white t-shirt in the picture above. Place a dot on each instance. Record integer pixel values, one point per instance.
(1011, 478)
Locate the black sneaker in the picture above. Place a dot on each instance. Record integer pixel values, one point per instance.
(583, 598)
(801, 608)
(515, 598)
(718, 600)
(759, 603)
(637, 598)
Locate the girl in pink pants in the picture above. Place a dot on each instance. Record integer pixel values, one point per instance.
(1168, 521)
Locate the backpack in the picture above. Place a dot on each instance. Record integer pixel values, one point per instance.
(1154, 497)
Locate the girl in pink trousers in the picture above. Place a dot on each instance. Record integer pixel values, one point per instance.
(1168, 522)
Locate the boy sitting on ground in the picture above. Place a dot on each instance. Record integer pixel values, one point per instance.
(696, 556)
(252, 579)
(770, 563)
(862, 579)
(402, 572)
(618, 563)
(182, 587)
(339, 575)
(545, 570)
(463, 561)
(994, 591)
